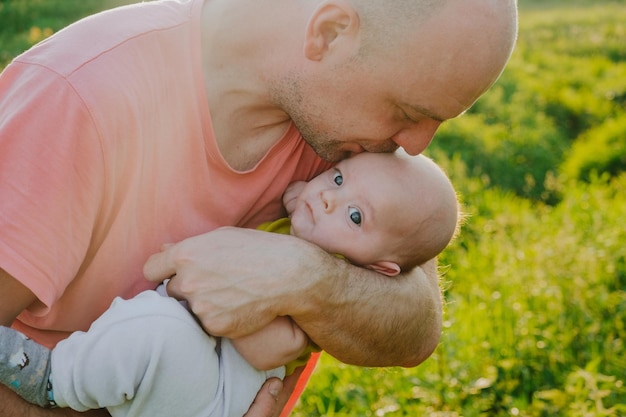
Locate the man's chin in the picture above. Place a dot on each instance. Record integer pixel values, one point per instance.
(329, 152)
(335, 155)
(340, 156)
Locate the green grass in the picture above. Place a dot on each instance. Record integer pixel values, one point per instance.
(564, 80)
(535, 285)
(535, 320)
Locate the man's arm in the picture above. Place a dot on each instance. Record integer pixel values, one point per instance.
(14, 297)
(11, 405)
(238, 280)
(376, 320)
(273, 396)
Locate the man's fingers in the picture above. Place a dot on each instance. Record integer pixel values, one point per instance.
(265, 404)
(160, 266)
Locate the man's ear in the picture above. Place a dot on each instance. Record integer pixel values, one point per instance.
(391, 269)
(331, 21)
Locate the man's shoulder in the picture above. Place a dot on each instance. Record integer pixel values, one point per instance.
(125, 30)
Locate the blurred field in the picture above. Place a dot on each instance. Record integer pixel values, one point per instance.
(535, 320)
(535, 285)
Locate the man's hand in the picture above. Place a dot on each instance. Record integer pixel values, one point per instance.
(235, 280)
(273, 396)
(11, 405)
(266, 402)
(238, 280)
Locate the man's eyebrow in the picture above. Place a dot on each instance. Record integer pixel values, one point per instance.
(426, 112)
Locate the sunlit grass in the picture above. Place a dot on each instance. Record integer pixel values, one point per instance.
(536, 302)
(535, 322)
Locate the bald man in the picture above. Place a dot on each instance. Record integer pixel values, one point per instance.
(119, 132)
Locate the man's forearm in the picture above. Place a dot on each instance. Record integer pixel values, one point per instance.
(367, 319)
(11, 405)
(359, 316)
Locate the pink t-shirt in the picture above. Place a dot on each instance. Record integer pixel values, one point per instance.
(107, 152)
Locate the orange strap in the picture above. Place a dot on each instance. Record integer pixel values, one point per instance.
(302, 381)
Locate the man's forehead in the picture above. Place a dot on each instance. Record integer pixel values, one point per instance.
(451, 59)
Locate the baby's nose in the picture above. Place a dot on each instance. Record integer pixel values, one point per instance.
(328, 200)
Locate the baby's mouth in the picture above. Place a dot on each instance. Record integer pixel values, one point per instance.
(311, 213)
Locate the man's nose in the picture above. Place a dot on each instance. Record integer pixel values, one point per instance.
(417, 138)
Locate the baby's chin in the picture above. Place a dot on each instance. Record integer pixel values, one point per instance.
(298, 224)
(302, 221)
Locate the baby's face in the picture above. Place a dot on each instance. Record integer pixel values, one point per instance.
(354, 209)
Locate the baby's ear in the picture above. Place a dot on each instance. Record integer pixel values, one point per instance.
(391, 269)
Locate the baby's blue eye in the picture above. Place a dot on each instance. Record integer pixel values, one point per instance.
(355, 215)
(338, 178)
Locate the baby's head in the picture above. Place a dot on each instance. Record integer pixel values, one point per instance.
(386, 212)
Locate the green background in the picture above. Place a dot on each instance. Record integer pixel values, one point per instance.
(535, 284)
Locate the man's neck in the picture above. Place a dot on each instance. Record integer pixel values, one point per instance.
(245, 121)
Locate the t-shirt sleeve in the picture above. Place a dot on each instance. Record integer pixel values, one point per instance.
(50, 181)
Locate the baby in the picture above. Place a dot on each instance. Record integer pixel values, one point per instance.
(148, 357)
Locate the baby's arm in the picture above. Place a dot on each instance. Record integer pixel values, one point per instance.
(277, 344)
